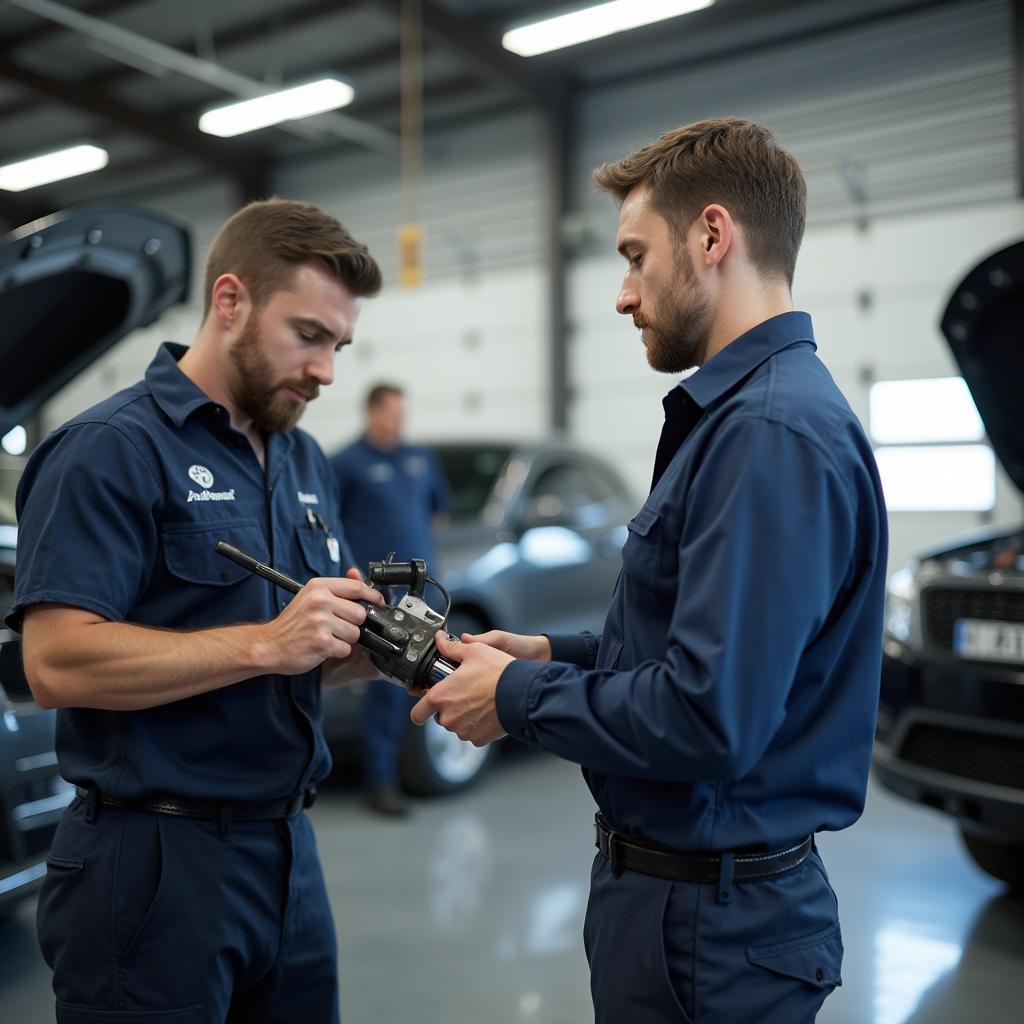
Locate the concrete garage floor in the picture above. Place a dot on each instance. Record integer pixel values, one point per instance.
(470, 913)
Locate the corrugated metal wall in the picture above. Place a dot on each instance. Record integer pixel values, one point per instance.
(919, 108)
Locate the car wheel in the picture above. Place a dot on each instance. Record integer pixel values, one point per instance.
(435, 761)
(1000, 858)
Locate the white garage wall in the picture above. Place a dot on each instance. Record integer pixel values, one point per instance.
(906, 132)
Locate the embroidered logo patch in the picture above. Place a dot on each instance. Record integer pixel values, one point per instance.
(201, 475)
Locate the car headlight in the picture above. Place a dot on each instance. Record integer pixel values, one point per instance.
(900, 594)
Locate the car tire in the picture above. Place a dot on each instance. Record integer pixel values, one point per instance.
(434, 761)
(1000, 858)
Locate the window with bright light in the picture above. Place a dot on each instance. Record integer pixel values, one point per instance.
(923, 412)
(926, 434)
(938, 478)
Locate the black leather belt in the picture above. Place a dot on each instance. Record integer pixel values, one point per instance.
(626, 852)
(205, 810)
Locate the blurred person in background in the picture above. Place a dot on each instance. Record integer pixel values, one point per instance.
(393, 498)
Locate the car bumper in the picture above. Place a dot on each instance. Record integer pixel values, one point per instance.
(951, 736)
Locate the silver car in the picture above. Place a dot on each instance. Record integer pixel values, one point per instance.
(533, 546)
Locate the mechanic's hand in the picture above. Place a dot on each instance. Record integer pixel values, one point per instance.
(322, 621)
(464, 702)
(530, 648)
(356, 668)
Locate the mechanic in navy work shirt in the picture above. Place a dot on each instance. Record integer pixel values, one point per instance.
(183, 881)
(727, 712)
(392, 498)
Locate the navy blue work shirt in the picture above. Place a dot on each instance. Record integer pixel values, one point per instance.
(119, 512)
(731, 700)
(388, 500)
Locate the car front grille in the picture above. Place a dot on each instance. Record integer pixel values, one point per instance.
(943, 606)
(971, 755)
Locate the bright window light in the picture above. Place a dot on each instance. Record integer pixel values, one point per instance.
(15, 441)
(285, 105)
(937, 409)
(594, 23)
(41, 170)
(940, 478)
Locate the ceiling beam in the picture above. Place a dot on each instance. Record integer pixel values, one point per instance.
(139, 47)
(486, 55)
(157, 129)
(767, 43)
(47, 30)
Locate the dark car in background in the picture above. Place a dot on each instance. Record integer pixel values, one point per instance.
(533, 546)
(951, 718)
(71, 286)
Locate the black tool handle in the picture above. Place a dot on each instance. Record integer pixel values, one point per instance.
(248, 562)
(371, 641)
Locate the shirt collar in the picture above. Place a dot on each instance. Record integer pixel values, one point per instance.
(727, 368)
(176, 394)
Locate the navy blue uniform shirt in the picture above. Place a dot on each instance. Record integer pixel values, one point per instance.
(388, 500)
(731, 700)
(119, 512)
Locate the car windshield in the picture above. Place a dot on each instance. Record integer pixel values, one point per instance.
(471, 472)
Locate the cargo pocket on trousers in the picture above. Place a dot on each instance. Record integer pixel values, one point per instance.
(814, 959)
(70, 1013)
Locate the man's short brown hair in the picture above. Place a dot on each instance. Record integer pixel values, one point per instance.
(736, 163)
(265, 242)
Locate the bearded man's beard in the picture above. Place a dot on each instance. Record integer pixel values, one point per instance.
(677, 346)
(264, 400)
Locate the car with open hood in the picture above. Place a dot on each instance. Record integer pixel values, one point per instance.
(71, 286)
(951, 719)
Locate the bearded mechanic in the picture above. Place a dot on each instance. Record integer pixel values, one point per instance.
(727, 712)
(183, 880)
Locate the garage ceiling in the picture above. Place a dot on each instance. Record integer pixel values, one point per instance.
(59, 85)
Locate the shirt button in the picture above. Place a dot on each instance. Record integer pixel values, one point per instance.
(819, 974)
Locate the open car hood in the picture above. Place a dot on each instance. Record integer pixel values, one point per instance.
(984, 325)
(74, 284)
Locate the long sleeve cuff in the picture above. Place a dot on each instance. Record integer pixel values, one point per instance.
(574, 648)
(512, 699)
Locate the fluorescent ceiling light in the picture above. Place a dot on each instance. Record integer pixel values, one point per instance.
(593, 23)
(286, 105)
(41, 170)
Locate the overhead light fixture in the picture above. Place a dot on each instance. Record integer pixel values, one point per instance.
(594, 23)
(41, 170)
(285, 105)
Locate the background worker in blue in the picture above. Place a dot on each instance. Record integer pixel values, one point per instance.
(727, 712)
(393, 498)
(183, 882)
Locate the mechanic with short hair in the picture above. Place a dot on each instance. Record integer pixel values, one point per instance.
(392, 497)
(183, 881)
(727, 713)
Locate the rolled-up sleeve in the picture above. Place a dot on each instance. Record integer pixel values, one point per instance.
(767, 541)
(87, 511)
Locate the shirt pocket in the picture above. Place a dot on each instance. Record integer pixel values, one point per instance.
(320, 551)
(641, 554)
(190, 550)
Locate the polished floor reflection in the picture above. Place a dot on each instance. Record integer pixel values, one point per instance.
(470, 913)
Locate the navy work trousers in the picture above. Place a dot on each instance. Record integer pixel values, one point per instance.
(147, 917)
(665, 952)
(385, 718)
